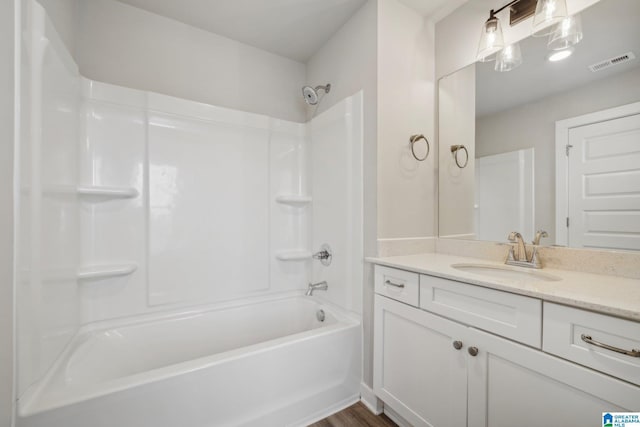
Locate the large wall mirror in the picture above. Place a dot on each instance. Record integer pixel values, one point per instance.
(515, 129)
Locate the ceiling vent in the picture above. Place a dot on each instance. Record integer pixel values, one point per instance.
(616, 60)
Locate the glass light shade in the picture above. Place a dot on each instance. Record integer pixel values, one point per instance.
(509, 58)
(566, 34)
(491, 40)
(548, 13)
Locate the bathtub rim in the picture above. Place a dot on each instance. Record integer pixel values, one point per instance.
(28, 402)
(192, 310)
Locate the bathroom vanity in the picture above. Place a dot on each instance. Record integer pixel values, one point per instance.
(457, 346)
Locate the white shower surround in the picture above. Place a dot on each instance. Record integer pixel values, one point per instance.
(299, 185)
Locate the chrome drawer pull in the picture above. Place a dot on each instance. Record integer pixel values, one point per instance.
(390, 283)
(589, 340)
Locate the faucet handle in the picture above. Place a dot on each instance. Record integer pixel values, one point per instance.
(514, 236)
(539, 234)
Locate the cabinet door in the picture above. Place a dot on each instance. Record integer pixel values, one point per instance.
(417, 370)
(510, 384)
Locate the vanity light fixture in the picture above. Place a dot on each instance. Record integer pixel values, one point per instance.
(509, 58)
(548, 13)
(559, 55)
(549, 18)
(566, 34)
(491, 39)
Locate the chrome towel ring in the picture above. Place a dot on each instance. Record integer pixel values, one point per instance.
(415, 138)
(455, 149)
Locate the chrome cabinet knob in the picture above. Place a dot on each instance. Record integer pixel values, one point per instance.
(457, 345)
(473, 351)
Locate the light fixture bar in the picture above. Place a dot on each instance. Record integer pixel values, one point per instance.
(521, 10)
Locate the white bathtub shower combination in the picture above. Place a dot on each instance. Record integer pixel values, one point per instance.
(188, 231)
(261, 363)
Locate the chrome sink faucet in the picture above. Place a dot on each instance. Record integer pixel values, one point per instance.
(320, 286)
(518, 251)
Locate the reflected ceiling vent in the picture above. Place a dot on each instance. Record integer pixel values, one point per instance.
(616, 60)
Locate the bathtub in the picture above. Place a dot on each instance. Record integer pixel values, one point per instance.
(262, 363)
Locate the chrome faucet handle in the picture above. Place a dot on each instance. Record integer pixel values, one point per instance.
(514, 236)
(324, 255)
(539, 234)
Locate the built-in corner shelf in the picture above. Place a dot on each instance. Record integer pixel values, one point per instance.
(107, 192)
(294, 255)
(293, 200)
(96, 272)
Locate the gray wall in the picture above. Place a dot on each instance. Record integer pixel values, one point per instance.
(64, 16)
(406, 83)
(533, 125)
(130, 47)
(126, 46)
(6, 209)
(457, 115)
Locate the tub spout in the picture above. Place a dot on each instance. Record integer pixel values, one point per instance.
(320, 286)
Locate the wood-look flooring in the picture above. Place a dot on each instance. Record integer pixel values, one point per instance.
(355, 416)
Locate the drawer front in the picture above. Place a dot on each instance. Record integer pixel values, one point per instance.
(512, 316)
(397, 284)
(564, 328)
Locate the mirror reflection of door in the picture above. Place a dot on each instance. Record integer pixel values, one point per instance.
(505, 194)
(604, 184)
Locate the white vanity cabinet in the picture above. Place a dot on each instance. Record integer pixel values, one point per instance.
(417, 370)
(460, 370)
(511, 384)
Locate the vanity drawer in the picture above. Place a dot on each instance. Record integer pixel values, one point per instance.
(397, 284)
(563, 331)
(512, 316)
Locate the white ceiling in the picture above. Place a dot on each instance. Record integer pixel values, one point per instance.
(295, 29)
(292, 28)
(436, 9)
(610, 27)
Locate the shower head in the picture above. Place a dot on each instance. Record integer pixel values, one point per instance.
(311, 94)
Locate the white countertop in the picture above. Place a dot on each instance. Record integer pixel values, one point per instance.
(617, 296)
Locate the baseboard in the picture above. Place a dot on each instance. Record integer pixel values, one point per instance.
(393, 415)
(370, 400)
(343, 404)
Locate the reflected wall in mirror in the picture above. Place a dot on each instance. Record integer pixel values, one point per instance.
(516, 126)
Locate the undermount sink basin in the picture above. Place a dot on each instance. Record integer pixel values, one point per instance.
(506, 272)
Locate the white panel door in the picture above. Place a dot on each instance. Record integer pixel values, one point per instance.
(513, 385)
(604, 184)
(505, 195)
(417, 370)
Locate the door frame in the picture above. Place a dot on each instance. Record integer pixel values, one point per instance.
(562, 159)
